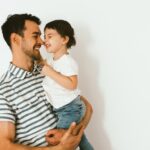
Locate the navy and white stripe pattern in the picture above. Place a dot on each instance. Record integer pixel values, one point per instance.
(23, 102)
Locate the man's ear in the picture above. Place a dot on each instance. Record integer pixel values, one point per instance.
(15, 39)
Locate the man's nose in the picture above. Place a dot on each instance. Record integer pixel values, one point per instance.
(45, 41)
(40, 41)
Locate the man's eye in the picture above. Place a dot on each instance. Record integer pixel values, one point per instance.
(49, 37)
(35, 36)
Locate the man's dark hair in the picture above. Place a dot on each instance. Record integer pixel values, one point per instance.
(16, 24)
(64, 29)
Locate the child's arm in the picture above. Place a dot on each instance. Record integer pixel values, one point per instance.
(69, 82)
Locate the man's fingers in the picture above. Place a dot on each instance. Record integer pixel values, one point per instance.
(51, 132)
(71, 128)
(52, 141)
(81, 132)
(69, 131)
(77, 129)
(71, 140)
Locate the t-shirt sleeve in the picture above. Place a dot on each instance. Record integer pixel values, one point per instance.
(70, 68)
(6, 111)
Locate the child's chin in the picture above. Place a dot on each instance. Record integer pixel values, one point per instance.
(49, 51)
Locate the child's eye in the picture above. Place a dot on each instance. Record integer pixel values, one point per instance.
(47, 37)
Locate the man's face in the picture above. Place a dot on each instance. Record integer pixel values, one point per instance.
(31, 41)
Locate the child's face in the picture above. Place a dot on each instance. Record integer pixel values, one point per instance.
(54, 42)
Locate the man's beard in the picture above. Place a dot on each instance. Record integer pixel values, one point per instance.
(35, 58)
(36, 54)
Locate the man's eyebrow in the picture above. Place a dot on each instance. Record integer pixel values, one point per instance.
(49, 34)
(37, 33)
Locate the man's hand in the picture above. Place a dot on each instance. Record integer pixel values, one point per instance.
(70, 141)
(65, 138)
(54, 136)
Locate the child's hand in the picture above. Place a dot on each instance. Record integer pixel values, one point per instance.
(46, 70)
(43, 62)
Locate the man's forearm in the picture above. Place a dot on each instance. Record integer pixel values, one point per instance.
(13, 146)
(88, 113)
(84, 122)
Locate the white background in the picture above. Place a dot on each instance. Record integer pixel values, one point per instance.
(113, 50)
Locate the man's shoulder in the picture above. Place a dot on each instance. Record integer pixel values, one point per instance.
(4, 78)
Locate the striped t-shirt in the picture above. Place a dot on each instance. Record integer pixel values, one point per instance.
(23, 102)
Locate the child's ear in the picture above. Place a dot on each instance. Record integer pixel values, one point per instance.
(66, 39)
(15, 39)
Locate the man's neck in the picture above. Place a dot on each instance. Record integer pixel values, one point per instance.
(27, 65)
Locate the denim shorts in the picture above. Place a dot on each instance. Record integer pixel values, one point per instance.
(72, 112)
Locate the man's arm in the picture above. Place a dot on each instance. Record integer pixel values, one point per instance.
(53, 136)
(86, 119)
(7, 136)
(88, 114)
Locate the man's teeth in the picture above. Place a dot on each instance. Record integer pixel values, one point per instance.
(37, 48)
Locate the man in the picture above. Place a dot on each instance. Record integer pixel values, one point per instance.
(25, 115)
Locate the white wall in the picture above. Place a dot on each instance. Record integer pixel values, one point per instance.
(113, 53)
